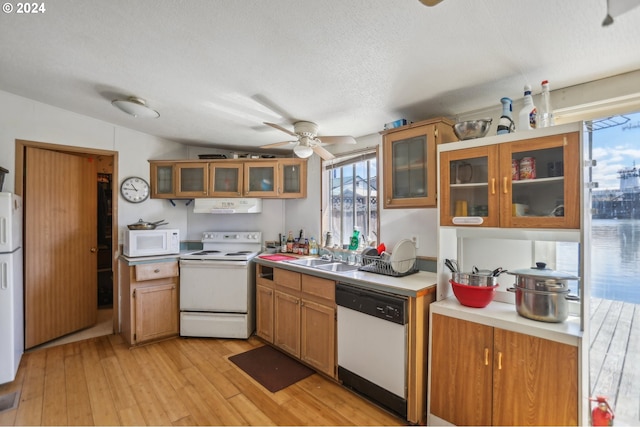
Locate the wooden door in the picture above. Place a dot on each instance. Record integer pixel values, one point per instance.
(461, 371)
(60, 199)
(535, 381)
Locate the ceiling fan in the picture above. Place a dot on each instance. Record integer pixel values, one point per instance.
(307, 140)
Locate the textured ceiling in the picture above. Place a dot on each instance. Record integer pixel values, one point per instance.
(216, 69)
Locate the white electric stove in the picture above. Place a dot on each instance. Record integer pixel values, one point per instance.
(217, 293)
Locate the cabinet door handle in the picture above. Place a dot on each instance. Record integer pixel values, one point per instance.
(499, 360)
(486, 357)
(493, 186)
(504, 185)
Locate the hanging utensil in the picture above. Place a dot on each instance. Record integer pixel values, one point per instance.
(451, 264)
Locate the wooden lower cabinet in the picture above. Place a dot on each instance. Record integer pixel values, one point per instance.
(481, 375)
(296, 313)
(286, 334)
(264, 310)
(149, 301)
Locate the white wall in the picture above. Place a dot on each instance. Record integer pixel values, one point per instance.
(22, 118)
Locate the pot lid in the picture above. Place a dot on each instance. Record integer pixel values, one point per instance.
(541, 271)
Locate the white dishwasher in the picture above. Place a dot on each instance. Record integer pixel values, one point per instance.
(372, 345)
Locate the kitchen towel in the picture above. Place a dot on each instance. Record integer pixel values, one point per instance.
(273, 369)
(277, 257)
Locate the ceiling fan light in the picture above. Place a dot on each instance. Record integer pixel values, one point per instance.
(135, 107)
(303, 151)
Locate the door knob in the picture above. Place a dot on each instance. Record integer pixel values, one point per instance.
(93, 250)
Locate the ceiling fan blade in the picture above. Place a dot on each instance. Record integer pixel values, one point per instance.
(344, 139)
(279, 144)
(280, 128)
(322, 152)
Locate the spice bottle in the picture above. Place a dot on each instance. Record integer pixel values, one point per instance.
(290, 241)
(527, 119)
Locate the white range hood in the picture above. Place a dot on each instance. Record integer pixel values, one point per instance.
(227, 206)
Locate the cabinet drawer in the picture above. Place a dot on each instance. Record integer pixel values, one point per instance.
(156, 270)
(316, 286)
(288, 279)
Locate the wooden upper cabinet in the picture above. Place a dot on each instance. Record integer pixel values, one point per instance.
(163, 180)
(409, 162)
(192, 179)
(485, 182)
(277, 178)
(292, 178)
(226, 179)
(260, 179)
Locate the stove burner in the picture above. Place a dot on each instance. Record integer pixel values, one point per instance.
(205, 253)
(238, 253)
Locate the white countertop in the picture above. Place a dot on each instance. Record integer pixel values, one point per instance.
(504, 316)
(412, 285)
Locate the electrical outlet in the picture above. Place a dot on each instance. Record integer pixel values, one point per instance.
(415, 241)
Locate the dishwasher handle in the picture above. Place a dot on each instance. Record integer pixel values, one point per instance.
(387, 307)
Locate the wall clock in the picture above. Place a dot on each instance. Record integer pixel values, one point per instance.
(134, 189)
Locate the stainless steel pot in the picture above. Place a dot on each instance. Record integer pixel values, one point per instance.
(542, 294)
(541, 278)
(475, 279)
(544, 306)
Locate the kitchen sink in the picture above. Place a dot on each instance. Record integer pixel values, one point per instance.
(337, 267)
(310, 262)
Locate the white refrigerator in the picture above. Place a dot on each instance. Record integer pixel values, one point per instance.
(11, 286)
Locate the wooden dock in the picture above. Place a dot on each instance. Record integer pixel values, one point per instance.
(615, 357)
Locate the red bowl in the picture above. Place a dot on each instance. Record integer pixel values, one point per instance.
(473, 296)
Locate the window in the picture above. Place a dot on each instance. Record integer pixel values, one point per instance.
(350, 197)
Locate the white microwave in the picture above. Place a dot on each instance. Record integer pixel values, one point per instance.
(151, 242)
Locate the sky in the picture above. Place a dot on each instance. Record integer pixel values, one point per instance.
(615, 148)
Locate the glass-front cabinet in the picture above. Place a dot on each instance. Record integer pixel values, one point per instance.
(281, 178)
(525, 184)
(192, 179)
(470, 176)
(410, 164)
(162, 180)
(260, 179)
(226, 179)
(292, 178)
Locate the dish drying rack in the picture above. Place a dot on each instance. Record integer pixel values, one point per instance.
(375, 264)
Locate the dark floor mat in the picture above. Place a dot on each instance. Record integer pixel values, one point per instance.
(271, 368)
(9, 401)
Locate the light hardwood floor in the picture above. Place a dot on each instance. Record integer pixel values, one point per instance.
(100, 381)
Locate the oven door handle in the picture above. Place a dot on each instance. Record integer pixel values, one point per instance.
(212, 263)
